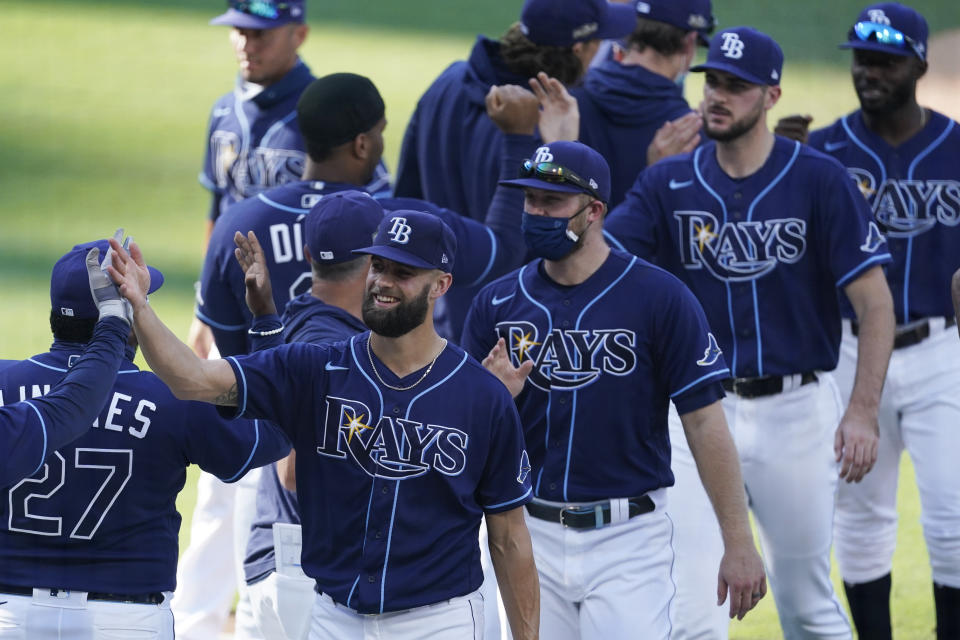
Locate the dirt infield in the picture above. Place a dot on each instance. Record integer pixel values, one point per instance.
(940, 88)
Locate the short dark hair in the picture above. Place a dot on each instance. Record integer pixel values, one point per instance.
(663, 38)
(526, 59)
(69, 329)
(339, 271)
(335, 109)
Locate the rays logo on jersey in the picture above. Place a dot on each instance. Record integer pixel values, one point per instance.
(567, 359)
(392, 448)
(711, 354)
(264, 167)
(905, 208)
(737, 251)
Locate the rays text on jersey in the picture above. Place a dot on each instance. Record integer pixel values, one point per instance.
(567, 359)
(906, 208)
(742, 250)
(392, 448)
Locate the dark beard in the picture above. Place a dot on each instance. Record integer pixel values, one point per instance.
(896, 99)
(399, 321)
(737, 129)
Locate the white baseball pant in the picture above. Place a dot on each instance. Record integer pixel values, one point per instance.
(71, 616)
(919, 413)
(785, 444)
(611, 583)
(459, 618)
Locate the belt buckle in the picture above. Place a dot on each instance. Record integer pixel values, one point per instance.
(597, 511)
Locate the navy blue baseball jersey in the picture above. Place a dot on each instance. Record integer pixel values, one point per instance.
(254, 143)
(621, 108)
(306, 319)
(609, 354)
(392, 484)
(914, 193)
(768, 250)
(445, 156)
(276, 216)
(32, 428)
(100, 515)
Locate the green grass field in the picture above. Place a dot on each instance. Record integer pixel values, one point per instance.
(103, 112)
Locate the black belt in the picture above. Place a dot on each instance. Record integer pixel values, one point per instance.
(762, 386)
(139, 598)
(586, 517)
(912, 334)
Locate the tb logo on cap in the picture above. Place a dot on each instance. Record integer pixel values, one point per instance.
(878, 16)
(543, 155)
(732, 46)
(400, 231)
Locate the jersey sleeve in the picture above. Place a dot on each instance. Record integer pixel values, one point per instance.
(230, 448)
(208, 176)
(221, 304)
(853, 241)
(688, 358)
(32, 429)
(278, 384)
(632, 225)
(505, 483)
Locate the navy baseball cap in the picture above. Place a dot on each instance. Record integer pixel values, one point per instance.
(689, 15)
(339, 223)
(414, 238)
(746, 53)
(889, 27)
(569, 167)
(262, 14)
(561, 23)
(70, 288)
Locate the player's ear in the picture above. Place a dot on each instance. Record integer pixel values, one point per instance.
(920, 68)
(306, 254)
(440, 285)
(300, 34)
(771, 97)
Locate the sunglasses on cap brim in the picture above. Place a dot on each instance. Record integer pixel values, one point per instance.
(884, 34)
(556, 174)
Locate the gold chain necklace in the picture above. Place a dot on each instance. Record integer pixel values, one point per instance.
(425, 373)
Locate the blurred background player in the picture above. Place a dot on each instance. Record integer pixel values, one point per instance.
(32, 429)
(441, 159)
(89, 543)
(627, 98)
(906, 161)
(765, 231)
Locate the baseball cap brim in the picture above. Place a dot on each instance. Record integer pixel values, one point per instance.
(619, 22)
(533, 183)
(731, 69)
(241, 20)
(905, 52)
(397, 255)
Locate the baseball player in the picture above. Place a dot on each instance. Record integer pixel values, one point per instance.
(88, 543)
(906, 161)
(43, 425)
(403, 443)
(342, 117)
(281, 597)
(626, 99)
(253, 142)
(442, 158)
(602, 372)
(764, 231)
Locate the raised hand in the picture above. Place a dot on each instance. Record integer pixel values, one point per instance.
(794, 127)
(559, 111)
(498, 363)
(256, 275)
(677, 136)
(513, 109)
(105, 293)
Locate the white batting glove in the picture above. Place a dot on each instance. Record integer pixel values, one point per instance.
(105, 293)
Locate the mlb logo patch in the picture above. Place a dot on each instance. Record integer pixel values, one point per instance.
(66, 311)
